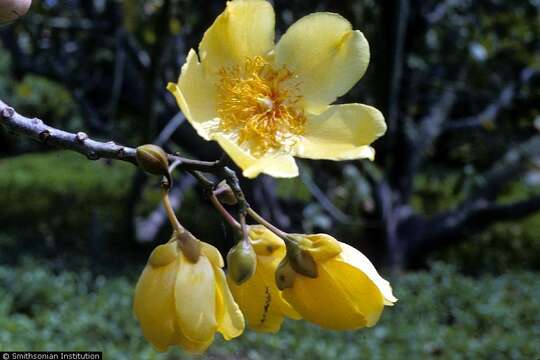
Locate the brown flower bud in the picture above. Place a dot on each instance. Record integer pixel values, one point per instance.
(11, 10)
(153, 160)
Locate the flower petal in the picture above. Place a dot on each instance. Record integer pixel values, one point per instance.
(194, 295)
(274, 165)
(320, 246)
(342, 132)
(323, 301)
(194, 347)
(153, 304)
(280, 166)
(212, 254)
(270, 250)
(230, 319)
(355, 258)
(327, 56)
(244, 29)
(195, 93)
(360, 290)
(260, 303)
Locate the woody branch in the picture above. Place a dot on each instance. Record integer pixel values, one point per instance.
(80, 142)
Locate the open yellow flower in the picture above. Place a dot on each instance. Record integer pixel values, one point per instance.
(347, 293)
(178, 302)
(265, 103)
(259, 298)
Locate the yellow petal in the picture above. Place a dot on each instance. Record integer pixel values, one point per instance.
(265, 242)
(195, 93)
(355, 258)
(194, 347)
(212, 254)
(320, 246)
(280, 166)
(326, 54)
(195, 293)
(267, 266)
(153, 304)
(259, 303)
(230, 318)
(360, 289)
(342, 132)
(259, 298)
(277, 166)
(164, 254)
(244, 29)
(324, 302)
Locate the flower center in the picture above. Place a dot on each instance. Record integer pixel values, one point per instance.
(260, 105)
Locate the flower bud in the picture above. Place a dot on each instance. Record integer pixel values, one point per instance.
(13, 9)
(241, 262)
(153, 160)
(285, 275)
(225, 194)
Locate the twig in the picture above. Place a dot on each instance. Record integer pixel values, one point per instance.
(147, 228)
(94, 150)
(491, 111)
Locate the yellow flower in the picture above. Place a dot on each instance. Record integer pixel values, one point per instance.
(347, 293)
(259, 298)
(178, 302)
(265, 103)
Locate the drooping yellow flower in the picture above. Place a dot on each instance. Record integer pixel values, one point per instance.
(178, 302)
(259, 298)
(347, 292)
(265, 103)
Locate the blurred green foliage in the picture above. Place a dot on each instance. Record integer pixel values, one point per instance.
(58, 198)
(462, 317)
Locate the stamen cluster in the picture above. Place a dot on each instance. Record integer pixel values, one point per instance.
(260, 105)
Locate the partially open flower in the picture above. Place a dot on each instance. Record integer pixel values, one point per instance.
(265, 103)
(180, 302)
(347, 292)
(259, 298)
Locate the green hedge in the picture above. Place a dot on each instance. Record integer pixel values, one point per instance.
(62, 199)
(441, 314)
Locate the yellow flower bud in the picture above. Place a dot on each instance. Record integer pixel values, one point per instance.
(184, 303)
(241, 262)
(347, 293)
